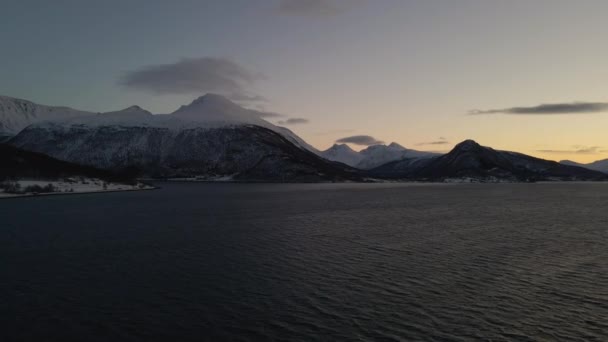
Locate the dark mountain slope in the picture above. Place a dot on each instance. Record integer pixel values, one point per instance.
(471, 160)
(244, 152)
(17, 163)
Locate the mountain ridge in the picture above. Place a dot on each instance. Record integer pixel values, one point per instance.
(372, 156)
(598, 165)
(471, 160)
(16, 114)
(211, 138)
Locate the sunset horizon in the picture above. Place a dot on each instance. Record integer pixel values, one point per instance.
(399, 71)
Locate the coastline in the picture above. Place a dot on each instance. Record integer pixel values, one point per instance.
(4, 195)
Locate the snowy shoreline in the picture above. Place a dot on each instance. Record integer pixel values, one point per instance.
(34, 188)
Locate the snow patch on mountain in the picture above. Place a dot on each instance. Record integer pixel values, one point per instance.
(212, 110)
(372, 156)
(376, 155)
(16, 114)
(208, 111)
(342, 153)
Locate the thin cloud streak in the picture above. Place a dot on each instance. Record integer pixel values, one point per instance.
(576, 150)
(440, 141)
(270, 115)
(549, 109)
(293, 121)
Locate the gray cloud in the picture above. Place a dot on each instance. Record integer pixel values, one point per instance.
(576, 150)
(242, 97)
(195, 76)
(364, 140)
(315, 7)
(552, 108)
(440, 141)
(293, 121)
(270, 115)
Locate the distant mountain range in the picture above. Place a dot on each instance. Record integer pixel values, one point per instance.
(210, 139)
(469, 160)
(600, 165)
(215, 139)
(372, 156)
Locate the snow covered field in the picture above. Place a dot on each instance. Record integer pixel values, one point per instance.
(67, 186)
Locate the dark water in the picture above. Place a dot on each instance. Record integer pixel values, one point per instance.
(211, 262)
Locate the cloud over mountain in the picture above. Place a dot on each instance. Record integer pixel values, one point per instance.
(547, 109)
(364, 140)
(195, 76)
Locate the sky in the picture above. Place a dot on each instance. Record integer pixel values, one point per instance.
(520, 75)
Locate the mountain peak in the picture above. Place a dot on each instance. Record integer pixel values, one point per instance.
(211, 102)
(217, 109)
(212, 98)
(341, 147)
(134, 109)
(467, 145)
(396, 146)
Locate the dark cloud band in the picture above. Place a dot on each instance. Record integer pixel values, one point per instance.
(576, 150)
(195, 76)
(440, 141)
(547, 109)
(314, 7)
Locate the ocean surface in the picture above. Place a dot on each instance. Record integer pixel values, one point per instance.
(316, 262)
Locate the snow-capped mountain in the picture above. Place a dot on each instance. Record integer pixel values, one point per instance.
(215, 109)
(211, 138)
(599, 165)
(469, 160)
(376, 155)
(212, 110)
(16, 114)
(372, 156)
(342, 153)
